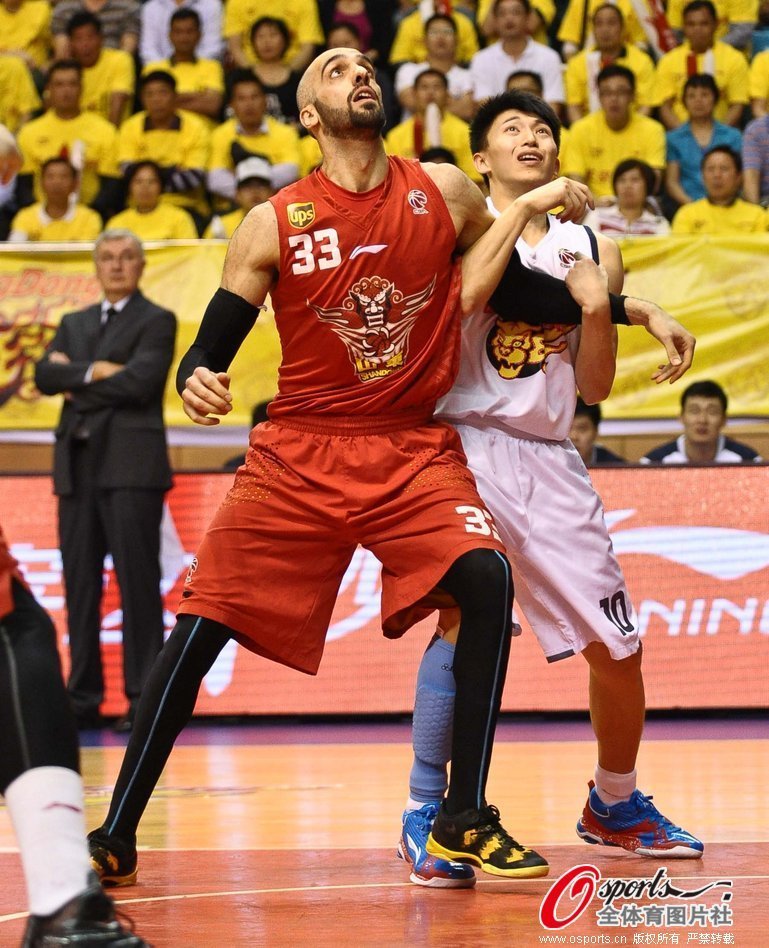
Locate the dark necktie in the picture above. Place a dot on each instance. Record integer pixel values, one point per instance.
(106, 318)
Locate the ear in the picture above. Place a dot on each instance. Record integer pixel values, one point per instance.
(481, 165)
(557, 169)
(309, 117)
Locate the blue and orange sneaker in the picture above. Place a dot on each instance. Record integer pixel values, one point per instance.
(427, 869)
(637, 826)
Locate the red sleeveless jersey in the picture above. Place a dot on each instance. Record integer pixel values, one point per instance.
(367, 296)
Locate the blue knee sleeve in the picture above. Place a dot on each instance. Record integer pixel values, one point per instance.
(433, 723)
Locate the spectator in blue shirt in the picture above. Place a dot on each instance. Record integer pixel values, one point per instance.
(755, 161)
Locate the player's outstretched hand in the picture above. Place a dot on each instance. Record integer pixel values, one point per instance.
(573, 197)
(207, 393)
(677, 341)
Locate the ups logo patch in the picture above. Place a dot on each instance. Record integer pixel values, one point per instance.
(301, 215)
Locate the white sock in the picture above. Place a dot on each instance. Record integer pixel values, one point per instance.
(46, 808)
(614, 788)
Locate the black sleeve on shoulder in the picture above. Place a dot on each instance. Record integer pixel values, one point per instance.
(227, 321)
(528, 296)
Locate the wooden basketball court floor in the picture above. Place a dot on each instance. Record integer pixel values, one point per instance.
(282, 835)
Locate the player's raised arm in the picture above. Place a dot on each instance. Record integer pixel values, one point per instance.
(249, 271)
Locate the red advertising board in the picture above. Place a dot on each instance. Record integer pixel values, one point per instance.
(693, 542)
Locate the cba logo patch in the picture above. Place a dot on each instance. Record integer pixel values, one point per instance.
(418, 201)
(566, 258)
(301, 215)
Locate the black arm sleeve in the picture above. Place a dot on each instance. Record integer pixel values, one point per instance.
(527, 296)
(227, 321)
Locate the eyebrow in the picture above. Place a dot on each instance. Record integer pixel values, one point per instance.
(360, 58)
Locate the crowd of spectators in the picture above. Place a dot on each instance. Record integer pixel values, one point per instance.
(140, 114)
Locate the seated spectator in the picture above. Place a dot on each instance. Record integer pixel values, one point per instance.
(525, 81)
(372, 19)
(409, 43)
(120, 20)
(609, 47)
(584, 433)
(302, 15)
(19, 99)
(701, 53)
(759, 83)
(254, 186)
(86, 139)
(634, 211)
(176, 140)
(58, 216)
(541, 16)
(346, 36)
(735, 20)
(250, 132)
(755, 159)
(574, 32)
(703, 416)
(432, 125)
(25, 31)
(108, 74)
(601, 140)
(146, 215)
(309, 155)
(721, 211)
(516, 50)
(270, 38)
(157, 44)
(258, 415)
(441, 46)
(760, 40)
(688, 144)
(199, 81)
(438, 156)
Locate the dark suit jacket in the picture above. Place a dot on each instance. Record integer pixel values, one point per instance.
(124, 413)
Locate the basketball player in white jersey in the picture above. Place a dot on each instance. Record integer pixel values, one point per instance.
(513, 403)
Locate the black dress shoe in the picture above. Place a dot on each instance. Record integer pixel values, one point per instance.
(89, 719)
(125, 724)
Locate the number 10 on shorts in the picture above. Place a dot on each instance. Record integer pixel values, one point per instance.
(478, 520)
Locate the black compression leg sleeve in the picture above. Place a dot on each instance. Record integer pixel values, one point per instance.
(165, 707)
(481, 583)
(37, 726)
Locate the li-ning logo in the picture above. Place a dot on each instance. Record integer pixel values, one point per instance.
(301, 215)
(418, 201)
(191, 570)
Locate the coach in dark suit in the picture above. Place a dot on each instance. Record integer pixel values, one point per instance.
(111, 467)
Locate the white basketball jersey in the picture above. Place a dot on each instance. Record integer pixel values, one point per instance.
(517, 377)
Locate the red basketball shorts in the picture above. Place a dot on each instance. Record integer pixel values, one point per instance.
(273, 558)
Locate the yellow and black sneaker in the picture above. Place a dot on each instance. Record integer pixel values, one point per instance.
(478, 837)
(112, 859)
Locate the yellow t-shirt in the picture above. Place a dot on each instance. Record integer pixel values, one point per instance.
(454, 136)
(225, 225)
(588, 62)
(570, 29)
(409, 43)
(19, 97)
(730, 72)
(166, 222)
(28, 29)
(759, 76)
(301, 17)
(595, 150)
(545, 8)
(186, 147)
(727, 11)
(277, 143)
(309, 155)
(113, 72)
(702, 217)
(203, 75)
(80, 223)
(89, 140)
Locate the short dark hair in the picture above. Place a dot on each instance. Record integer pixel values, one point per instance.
(438, 153)
(512, 99)
(705, 389)
(524, 3)
(593, 412)
(64, 65)
(242, 77)
(58, 160)
(344, 25)
(528, 74)
(83, 18)
(441, 18)
(702, 80)
(280, 25)
(724, 150)
(134, 169)
(158, 75)
(635, 164)
(608, 6)
(185, 14)
(432, 72)
(614, 71)
(700, 5)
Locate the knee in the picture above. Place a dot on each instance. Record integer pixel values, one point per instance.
(603, 665)
(480, 576)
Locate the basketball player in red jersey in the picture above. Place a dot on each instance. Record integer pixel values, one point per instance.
(359, 261)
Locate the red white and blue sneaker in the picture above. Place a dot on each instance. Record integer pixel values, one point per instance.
(637, 826)
(427, 869)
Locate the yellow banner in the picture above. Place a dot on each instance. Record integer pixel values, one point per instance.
(715, 286)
